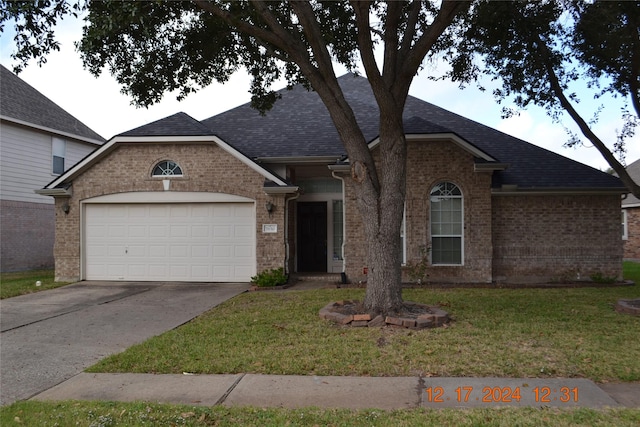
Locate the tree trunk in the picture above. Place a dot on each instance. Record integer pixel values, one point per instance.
(382, 217)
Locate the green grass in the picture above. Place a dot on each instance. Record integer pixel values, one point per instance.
(495, 332)
(96, 414)
(24, 282)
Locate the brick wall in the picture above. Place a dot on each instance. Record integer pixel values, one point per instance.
(428, 164)
(206, 168)
(632, 244)
(513, 239)
(556, 237)
(26, 235)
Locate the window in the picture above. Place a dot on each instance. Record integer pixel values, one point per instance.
(58, 149)
(446, 224)
(167, 168)
(625, 232)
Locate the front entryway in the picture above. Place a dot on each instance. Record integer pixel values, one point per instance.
(312, 236)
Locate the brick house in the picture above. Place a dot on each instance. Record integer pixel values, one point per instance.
(235, 194)
(631, 218)
(38, 141)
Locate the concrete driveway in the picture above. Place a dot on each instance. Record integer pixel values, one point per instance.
(50, 336)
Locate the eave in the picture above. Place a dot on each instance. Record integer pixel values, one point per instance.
(52, 131)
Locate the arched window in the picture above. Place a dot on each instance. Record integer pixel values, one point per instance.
(167, 168)
(446, 224)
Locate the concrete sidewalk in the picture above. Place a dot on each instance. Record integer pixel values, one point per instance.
(292, 391)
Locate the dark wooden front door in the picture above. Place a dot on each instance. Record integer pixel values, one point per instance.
(312, 236)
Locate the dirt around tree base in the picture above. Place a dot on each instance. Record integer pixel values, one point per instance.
(412, 315)
(629, 306)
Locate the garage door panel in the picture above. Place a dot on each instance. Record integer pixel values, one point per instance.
(157, 251)
(159, 231)
(242, 251)
(200, 251)
(179, 231)
(243, 231)
(179, 242)
(137, 231)
(200, 231)
(116, 231)
(158, 211)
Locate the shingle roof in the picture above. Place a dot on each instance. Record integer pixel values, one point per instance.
(19, 101)
(299, 125)
(179, 124)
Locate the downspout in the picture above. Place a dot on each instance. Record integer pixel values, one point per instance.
(344, 225)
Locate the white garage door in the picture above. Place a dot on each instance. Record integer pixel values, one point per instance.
(197, 242)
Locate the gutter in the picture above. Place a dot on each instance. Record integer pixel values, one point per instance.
(299, 160)
(513, 190)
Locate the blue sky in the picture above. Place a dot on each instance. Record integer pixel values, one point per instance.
(99, 104)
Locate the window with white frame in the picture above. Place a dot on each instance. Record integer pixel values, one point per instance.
(446, 224)
(167, 168)
(625, 230)
(58, 151)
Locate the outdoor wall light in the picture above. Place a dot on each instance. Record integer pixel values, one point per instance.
(66, 208)
(269, 206)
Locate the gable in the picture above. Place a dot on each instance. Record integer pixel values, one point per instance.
(154, 133)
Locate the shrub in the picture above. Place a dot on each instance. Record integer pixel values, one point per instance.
(273, 277)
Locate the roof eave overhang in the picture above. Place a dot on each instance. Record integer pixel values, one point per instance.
(289, 189)
(342, 167)
(53, 131)
(490, 167)
(88, 161)
(513, 190)
(320, 160)
(55, 192)
(465, 145)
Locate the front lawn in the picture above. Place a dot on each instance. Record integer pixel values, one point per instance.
(24, 282)
(93, 414)
(572, 332)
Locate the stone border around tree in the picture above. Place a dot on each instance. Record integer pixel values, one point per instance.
(432, 317)
(629, 306)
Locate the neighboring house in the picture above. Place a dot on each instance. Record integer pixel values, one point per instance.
(238, 193)
(631, 218)
(38, 141)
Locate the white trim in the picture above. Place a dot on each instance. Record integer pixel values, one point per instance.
(168, 197)
(631, 205)
(558, 191)
(298, 160)
(53, 131)
(443, 136)
(157, 197)
(462, 226)
(281, 190)
(90, 159)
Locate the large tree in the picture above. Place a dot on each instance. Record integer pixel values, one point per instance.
(540, 50)
(155, 47)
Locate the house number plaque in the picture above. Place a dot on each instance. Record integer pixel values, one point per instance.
(269, 228)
